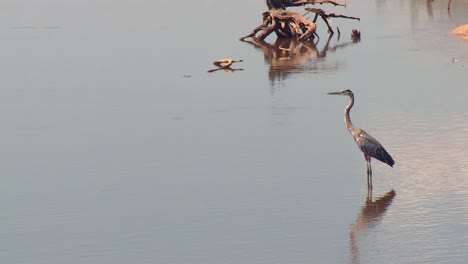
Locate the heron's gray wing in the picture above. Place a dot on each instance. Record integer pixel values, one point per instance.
(373, 148)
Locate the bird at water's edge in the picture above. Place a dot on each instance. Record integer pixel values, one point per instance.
(366, 143)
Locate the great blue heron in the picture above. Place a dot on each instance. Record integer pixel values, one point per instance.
(366, 143)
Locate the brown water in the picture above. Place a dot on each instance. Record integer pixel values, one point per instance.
(119, 147)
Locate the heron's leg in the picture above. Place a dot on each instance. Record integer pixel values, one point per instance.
(369, 194)
(367, 163)
(369, 172)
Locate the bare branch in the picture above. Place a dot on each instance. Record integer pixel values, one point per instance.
(320, 12)
(282, 4)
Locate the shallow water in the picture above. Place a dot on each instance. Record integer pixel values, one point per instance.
(119, 147)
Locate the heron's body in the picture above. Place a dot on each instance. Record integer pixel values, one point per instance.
(366, 143)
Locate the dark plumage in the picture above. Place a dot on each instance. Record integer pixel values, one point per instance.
(369, 145)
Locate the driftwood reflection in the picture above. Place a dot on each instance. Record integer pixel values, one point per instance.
(290, 56)
(369, 216)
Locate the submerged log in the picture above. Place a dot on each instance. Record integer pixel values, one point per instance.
(356, 36)
(225, 64)
(462, 31)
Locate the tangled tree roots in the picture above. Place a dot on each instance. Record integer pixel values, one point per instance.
(286, 24)
(291, 24)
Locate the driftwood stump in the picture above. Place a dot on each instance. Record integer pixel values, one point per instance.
(286, 24)
(291, 24)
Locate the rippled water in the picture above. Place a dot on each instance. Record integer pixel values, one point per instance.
(119, 147)
(427, 220)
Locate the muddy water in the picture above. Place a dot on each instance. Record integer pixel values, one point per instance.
(119, 147)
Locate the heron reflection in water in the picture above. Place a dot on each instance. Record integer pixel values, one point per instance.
(369, 216)
(366, 143)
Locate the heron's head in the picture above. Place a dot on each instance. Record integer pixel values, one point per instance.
(344, 92)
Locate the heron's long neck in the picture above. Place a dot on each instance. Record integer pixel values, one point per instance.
(347, 119)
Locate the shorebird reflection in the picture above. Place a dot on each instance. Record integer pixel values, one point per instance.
(369, 216)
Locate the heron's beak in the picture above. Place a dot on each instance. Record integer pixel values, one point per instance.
(335, 93)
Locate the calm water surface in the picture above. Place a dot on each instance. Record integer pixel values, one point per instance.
(119, 147)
